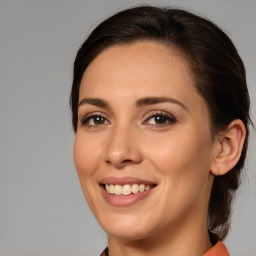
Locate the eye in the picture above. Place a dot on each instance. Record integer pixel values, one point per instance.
(160, 119)
(93, 119)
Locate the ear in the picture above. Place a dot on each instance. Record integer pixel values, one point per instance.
(229, 148)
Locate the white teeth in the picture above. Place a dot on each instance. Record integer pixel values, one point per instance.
(142, 187)
(126, 189)
(147, 187)
(118, 190)
(111, 189)
(135, 188)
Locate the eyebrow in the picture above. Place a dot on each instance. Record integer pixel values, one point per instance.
(147, 101)
(94, 101)
(156, 100)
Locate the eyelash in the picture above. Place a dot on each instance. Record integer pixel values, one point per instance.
(170, 119)
(84, 121)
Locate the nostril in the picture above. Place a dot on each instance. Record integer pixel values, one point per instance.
(127, 161)
(119, 162)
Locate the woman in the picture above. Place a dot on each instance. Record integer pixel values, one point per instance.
(161, 111)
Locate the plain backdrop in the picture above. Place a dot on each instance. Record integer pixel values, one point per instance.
(42, 208)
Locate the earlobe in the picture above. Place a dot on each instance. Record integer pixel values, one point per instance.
(230, 146)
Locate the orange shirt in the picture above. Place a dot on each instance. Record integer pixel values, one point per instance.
(218, 249)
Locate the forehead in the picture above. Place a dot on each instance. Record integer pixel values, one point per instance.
(137, 70)
(140, 61)
(137, 53)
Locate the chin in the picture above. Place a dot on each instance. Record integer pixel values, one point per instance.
(126, 228)
(128, 234)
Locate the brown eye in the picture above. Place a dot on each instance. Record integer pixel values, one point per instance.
(161, 119)
(94, 120)
(97, 120)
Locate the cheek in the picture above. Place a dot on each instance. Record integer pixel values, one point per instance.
(86, 154)
(183, 163)
(178, 150)
(183, 160)
(86, 159)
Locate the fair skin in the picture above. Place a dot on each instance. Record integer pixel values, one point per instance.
(141, 120)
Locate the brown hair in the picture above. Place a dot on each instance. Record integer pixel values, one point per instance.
(219, 76)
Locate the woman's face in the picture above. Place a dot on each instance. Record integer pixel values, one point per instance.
(144, 135)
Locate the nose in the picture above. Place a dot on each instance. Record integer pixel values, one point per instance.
(123, 148)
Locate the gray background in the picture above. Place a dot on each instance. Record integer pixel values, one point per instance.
(42, 208)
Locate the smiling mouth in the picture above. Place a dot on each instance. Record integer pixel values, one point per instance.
(126, 189)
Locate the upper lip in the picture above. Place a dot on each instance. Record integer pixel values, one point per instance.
(125, 180)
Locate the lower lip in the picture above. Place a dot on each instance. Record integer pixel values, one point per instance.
(121, 200)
